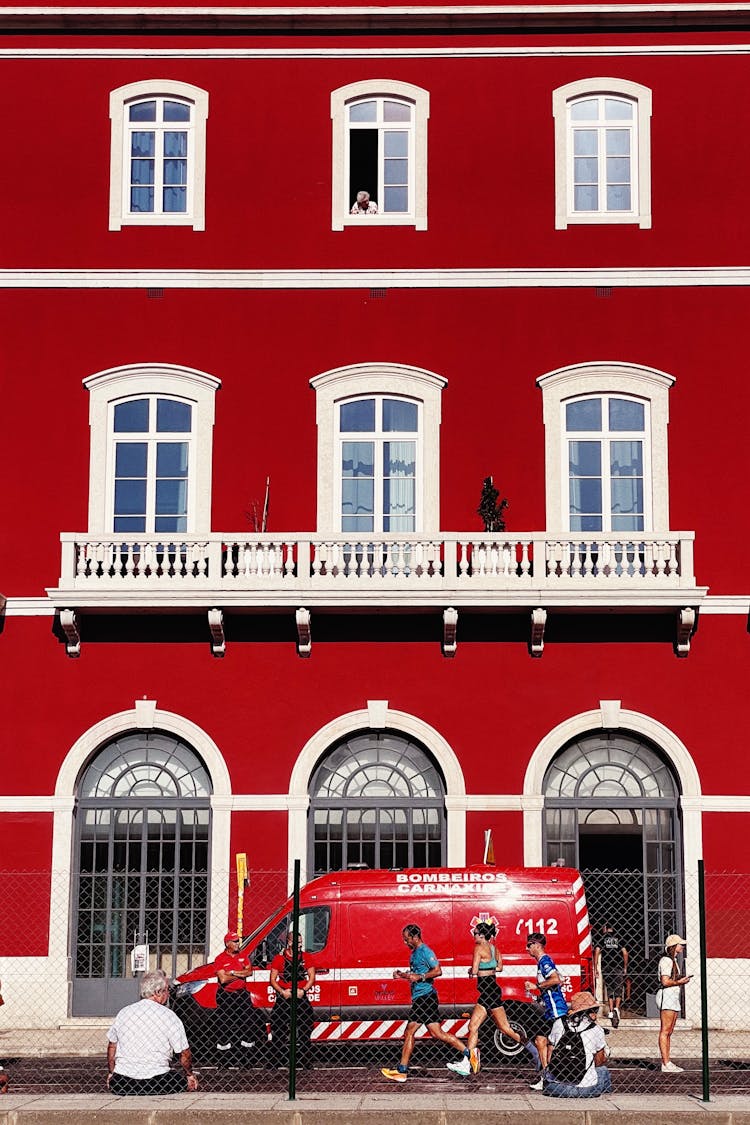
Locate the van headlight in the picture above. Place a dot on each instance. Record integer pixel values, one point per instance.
(189, 988)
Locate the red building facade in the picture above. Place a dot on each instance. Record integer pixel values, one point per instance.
(552, 293)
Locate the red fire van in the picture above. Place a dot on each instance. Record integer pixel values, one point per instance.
(351, 924)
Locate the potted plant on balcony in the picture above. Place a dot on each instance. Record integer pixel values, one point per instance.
(490, 508)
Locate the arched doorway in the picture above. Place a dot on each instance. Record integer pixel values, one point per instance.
(611, 808)
(141, 863)
(377, 799)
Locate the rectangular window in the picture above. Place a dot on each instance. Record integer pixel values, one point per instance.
(605, 443)
(378, 472)
(151, 476)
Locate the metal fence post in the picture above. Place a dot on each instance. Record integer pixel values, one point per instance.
(704, 980)
(295, 967)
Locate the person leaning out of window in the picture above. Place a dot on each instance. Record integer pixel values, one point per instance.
(669, 999)
(364, 205)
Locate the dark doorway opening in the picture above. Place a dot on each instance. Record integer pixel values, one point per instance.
(612, 867)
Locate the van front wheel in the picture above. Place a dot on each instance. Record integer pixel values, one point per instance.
(506, 1046)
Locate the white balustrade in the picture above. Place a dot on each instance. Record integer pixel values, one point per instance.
(495, 562)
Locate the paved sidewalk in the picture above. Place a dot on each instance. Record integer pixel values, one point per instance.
(372, 1109)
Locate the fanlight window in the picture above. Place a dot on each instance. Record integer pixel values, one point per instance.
(145, 766)
(381, 766)
(377, 800)
(599, 768)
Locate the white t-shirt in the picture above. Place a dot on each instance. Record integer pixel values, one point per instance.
(147, 1034)
(593, 1041)
(668, 999)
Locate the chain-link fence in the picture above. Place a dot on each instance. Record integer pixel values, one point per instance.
(673, 1021)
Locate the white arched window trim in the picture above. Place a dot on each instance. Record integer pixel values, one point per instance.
(118, 100)
(605, 377)
(641, 96)
(376, 716)
(339, 194)
(359, 379)
(144, 715)
(611, 716)
(132, 380)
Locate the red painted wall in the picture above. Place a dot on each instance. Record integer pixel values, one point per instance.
(25, 861)
(268, 202)
(265, 347)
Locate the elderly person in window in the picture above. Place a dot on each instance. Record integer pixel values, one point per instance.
(364, 205)
(142, 1041)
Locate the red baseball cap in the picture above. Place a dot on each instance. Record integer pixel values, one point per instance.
(231, 936)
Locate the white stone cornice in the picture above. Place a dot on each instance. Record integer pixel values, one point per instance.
(458, 278)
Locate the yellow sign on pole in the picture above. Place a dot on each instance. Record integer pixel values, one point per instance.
(242, 880)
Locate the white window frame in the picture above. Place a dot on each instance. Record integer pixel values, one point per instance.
(379, 380)
(377, 437)
(604, 437)
(591, 380)
(398, 91)
(151, 438)
(150, 380)
(119, 173)
(562, 99)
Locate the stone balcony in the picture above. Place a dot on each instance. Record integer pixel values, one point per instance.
(447, 572)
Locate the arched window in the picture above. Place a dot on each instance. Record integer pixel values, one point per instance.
(606, 448)
(157, 166)
(380, 147)
(378, 449)
(143, 825)
(377, 800)
(602, 152)
(611, 805)
(151, 438)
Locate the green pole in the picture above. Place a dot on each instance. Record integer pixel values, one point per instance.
(704, 980)
(295, 966)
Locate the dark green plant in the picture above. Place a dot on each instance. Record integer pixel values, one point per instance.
(490, 508)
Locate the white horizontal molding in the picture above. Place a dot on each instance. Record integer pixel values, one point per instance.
(721, 804)
(731, 604)
(246, 53)
(736, 605)
(376, 278)
(494, 802)
(282, 802)
(29, 607)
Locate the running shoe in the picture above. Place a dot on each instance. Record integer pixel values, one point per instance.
(474, 1060)
(537, 1085)
(671, 1068)
(462, 1067)
(394, 1075)
(615, 1017)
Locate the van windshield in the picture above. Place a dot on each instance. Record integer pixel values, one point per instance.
(314, 924)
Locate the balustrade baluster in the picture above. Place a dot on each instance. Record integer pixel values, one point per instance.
(525, 561)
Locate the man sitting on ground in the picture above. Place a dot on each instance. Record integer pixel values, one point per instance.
(576, 1067)
(142, 1041)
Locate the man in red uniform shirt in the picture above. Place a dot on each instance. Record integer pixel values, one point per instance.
(238, 1023)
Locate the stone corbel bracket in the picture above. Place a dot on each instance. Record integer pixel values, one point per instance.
(450, 627)
(216, 627)
(538, 625)
(69, 624)
(686, 623)
(304, 634)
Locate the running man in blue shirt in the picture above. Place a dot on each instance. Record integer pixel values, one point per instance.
(549, 986)
(424, 968)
